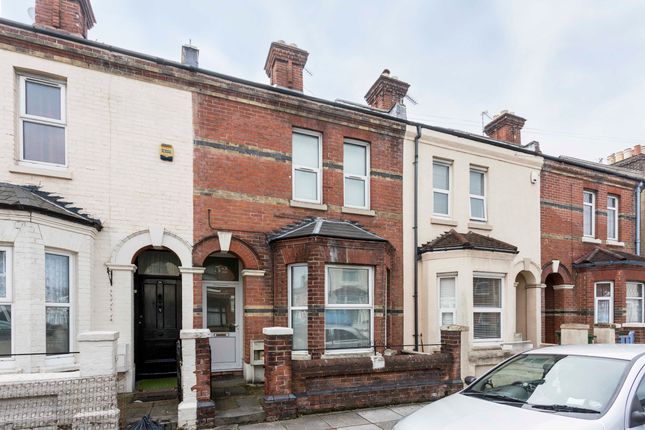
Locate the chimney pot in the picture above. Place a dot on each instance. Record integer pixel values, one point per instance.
(387, 92)
(637, 149)
(506, 127)
(190, 56)
(619, 156)
(611, 159)
(284, 65)
(70, 16)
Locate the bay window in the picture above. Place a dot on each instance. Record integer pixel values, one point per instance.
(356, 168)
(612, 218)
(477, 194)
(5, 301)
(57, 303)
(298, 305)
(441, 188)
(447, 299)
(42, 121)
(307, 167)
(635, 302)
(348, 308)
(604, 303)
(487, 307)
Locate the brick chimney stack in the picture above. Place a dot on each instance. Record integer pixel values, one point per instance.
(70, 16)
(285, 64)
(386, 92)
(506, 127)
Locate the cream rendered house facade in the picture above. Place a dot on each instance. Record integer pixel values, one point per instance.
(478, 244)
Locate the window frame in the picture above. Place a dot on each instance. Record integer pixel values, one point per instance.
(641, 299)
(24, 116)
(596, 299)
(296, 167)
(297, 308)
(7, 299)
(365, 179)
(615, 210)
(488, 309)
(369, 305)
(70, 306)
(484, 173)
(442, 310)
(593, 213)
(447, 192)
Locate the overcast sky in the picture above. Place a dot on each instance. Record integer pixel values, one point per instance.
(574, 69)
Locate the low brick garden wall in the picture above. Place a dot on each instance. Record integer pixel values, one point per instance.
(294, 387)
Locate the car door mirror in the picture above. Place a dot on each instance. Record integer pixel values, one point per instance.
(469, 380)
(637, 418)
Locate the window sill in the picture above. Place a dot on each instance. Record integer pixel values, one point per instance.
(480, 226)
(444, 221)
(615, 243)
(306, 205)
(633, 325)
(587, 239)
(297, 355)
(357, 211)
(10, 370)
(347, 354)
(59, 368)
(41, 171)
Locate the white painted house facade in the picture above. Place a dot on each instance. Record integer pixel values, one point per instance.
(478, 253)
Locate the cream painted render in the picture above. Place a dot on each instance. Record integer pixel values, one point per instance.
(115, 126)
(513, 216)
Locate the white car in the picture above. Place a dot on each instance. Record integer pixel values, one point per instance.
(557, 387)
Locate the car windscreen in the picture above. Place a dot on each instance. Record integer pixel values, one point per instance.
(556, 383)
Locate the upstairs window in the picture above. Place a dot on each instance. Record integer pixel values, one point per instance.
(589, 213)
(306, 167)
(441, 188)
(42, 121)
(612, 218)
(356, 167)
(477, 195)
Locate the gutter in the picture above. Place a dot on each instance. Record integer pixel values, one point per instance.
(638, 191)
(415, 228)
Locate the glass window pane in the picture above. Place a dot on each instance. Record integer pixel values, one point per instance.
(354, 192)
(634, 310)
(487, 292)
(611, 224)
(42, 100)
(612, 202)
(487, 325)
(603, 311)
(162, 263)
(305, 150)
(447, 318)
(3, 274)
(56, 278)
(57, 330)
(5, 329)
(299, 325)
(603, 290)
(476, 183)
(587, 219)
(348, 286)
(221, 269)
(305, 185)
(634, 289)
(43, 143)
(477, 208)
(355, 159)
(440, 203)
(440, 176)
(447, 293)
(299, 285)
(347, 328)
(587, 197)
(220, 309)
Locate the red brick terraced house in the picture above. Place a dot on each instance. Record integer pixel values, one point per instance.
(590, 263)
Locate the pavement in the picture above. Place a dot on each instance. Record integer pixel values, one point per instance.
(382, 418)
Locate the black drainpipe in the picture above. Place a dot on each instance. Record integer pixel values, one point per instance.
(416, 238)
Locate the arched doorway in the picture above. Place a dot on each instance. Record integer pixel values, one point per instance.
(157, 313)
(550, 323)
(224, 302)
(527, 307)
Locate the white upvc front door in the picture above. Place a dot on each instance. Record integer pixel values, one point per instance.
(224, 317)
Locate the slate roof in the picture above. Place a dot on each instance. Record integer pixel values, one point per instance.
(327, 228)
(452, 240)
(604, 257)
(31, 198)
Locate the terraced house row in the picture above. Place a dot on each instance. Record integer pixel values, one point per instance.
(159, 219)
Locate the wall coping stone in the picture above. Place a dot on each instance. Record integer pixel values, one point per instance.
(198, 333)
(454, 327)
(98, 336)
(574, 327)
(277, 331)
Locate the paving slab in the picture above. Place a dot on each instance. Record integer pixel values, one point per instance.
(310, 422)
(405, 410)
(344, 419)
(264, 426)
(379, 415)
(361, 427)
(387, 425)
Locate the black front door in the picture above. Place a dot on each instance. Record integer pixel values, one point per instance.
(158, 321)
